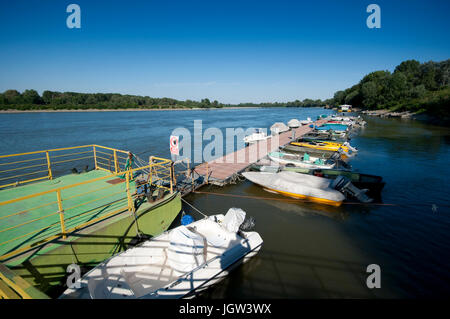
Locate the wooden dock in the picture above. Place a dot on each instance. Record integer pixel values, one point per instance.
(221, 170)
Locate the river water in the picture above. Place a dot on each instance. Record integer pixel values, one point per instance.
(310, 251)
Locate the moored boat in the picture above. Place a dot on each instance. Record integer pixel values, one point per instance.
(294, 123)
(340, 128)
(179, 263)
(374, 184)
(301, 186)
(258, 135)
(322, 145)
(301, 160)
(306, 122)
(278, 128)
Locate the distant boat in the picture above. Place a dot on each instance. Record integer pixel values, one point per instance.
(306, 122)
(324, 135)
(325, 145)
(301, 161)
(301, 186)
(335, 127)
(278, 128)
(179, 263)
(292, 148)
(258, 135)
(294, 123)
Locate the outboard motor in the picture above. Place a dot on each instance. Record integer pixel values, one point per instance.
(248, 224)
(353, 149)
(345, 186)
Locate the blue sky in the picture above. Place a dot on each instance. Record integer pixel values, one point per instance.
(230, 51)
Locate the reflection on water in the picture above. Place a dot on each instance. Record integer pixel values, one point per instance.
(310, 250)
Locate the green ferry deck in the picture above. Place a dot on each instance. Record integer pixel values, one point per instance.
(52, 216)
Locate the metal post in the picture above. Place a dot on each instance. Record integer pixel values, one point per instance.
(130, 201)
(116, 169)
(171, 178)
(49, 166)
(61, 213)
(95, 158)
(150, 161)
(207, 173)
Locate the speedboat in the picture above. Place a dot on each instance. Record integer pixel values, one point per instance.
(258, 135)
(307, 187)
(301, 161)
(179, 263)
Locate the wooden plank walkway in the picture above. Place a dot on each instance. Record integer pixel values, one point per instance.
(222, 169)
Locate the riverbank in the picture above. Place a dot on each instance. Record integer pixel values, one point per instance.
(125, 110)
(387, 113)
(419, 116)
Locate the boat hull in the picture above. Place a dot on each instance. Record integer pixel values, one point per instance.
(90, 246)
(172, 285)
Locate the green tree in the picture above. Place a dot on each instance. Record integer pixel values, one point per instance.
(31, 97)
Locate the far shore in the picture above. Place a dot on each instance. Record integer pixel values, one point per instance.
(130, 109)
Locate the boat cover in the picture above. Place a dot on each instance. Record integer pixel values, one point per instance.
(296, 183)
(279, 127)
(185, 250)
(233, 219)
(294, 123)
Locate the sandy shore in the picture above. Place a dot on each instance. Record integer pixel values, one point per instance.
(127, 110)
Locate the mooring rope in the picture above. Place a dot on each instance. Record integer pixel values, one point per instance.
(204, 215)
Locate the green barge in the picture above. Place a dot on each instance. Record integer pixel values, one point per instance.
(52, 221)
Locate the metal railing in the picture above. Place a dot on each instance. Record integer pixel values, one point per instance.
(38, 218)
(21, 168)
(13, 286)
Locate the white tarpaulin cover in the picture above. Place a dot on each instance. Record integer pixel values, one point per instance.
(185, 251)
(233, 219)
(292, 182)
(278, 128)
(294, 123)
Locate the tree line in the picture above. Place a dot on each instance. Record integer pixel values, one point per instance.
(52, 100)
(413, 86)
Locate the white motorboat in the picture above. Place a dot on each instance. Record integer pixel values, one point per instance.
(258, 135)
(279, 127)
(179, 263)
(306, 122)
(294, 123)
(302, 186)
(301, 160)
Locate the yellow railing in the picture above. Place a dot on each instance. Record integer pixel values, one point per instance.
(13, 286)
(21, 168)
(161, 171)
(64, 214)
(109, 159)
